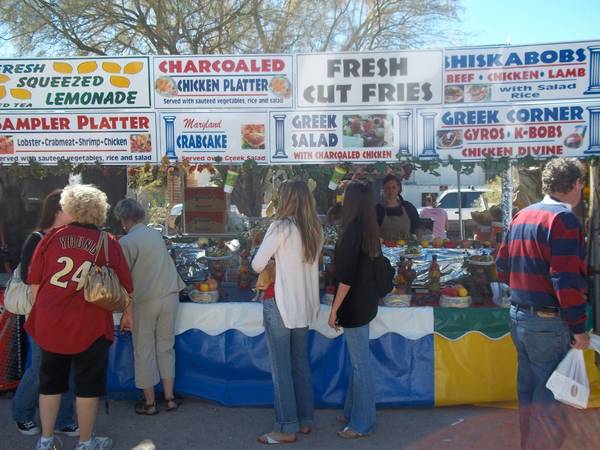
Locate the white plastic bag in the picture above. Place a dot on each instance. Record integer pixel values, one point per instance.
(595, 342)
(569, 381)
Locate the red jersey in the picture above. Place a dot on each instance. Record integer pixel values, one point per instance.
(61, 321)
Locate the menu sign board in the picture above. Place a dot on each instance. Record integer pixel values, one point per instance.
(540, 130)
(332, 136)
(202, 136)
(514, 74)
(119, 138)
(369, 79)
(74, 83)
(215, 82)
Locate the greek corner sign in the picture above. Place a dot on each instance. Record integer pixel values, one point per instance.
(333, 136)
(203, 136)
(214, 82)
(513, 74)
(109, 138)
(369, 79)
(542, 130)
(74, 83)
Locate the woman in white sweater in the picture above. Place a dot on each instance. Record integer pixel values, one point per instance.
(295, 239)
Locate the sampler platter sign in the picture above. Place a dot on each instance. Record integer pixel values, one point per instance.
(217, 82)
(369, 79)
(539, 130)
(299, 137)
(200, 137)
(75, 83)
(522, 73)
(107, 138)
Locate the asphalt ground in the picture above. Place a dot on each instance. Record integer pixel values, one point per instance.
(200, 424)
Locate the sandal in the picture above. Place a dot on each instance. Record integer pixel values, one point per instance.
(144, 409)
(173, 403)
(347, 433)
(268, 439)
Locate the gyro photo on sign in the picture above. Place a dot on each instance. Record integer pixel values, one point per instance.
(449, 139)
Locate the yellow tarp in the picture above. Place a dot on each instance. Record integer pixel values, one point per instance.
(477, 369)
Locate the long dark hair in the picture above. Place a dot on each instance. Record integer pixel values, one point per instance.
(358, 205)
(50, 207)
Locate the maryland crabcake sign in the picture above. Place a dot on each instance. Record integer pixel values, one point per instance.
(74, 83)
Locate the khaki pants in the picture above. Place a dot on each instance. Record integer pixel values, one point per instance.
(153, 339)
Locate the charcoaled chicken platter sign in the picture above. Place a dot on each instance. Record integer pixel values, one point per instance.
(223, 82)
(74, 83)
(107, 138)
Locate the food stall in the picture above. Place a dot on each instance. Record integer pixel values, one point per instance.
(442, 336)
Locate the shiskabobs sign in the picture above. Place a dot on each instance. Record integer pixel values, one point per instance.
(74, 83)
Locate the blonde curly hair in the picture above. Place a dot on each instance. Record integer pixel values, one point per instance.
(85, 204)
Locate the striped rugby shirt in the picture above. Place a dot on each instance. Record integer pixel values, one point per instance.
(542, 259)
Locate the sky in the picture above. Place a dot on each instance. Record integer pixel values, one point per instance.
(488, 22)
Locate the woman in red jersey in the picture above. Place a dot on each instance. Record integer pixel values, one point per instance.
(71, 331)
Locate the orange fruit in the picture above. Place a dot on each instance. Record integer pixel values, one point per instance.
(204, 287)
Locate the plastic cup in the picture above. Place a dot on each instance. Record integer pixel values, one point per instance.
(230, 181)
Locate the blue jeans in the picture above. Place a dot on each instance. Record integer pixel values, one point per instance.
(359, 407)
(26, 397)
(292, 384)
(541, 342)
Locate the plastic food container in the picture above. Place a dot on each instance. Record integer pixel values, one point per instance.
(455, 302)
(204, 296)
(397, 300)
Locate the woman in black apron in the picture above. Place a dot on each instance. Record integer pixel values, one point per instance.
(397, 218)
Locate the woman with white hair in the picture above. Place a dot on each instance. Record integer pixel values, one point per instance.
(71, 331)
(155, 301)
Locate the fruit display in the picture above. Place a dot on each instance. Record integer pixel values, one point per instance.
(217, 251)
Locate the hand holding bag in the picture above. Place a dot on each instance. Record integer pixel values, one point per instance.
(17, 297)
(102, 286)
(569, 381)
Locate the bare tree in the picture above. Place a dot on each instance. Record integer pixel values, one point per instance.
(117, 27)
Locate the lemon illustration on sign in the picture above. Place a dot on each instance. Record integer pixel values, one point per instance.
(87, 67)
(111, 67)
(3, 78)
(118, 81)
(20, 94)
(133, 67)
(62, 67)
(2, 91)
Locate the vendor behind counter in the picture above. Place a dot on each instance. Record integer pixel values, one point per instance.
(397, 218)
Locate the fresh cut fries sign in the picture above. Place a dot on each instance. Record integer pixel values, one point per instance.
(74, 83)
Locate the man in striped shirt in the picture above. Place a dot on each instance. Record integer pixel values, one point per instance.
(542, 259)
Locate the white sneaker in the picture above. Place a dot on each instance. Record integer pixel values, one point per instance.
(96, 443)
(54, 444)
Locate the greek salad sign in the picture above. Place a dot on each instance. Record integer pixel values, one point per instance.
(123, 138)
(215, 82)
(543, 130)
(351, 135)
(201, 137)
(74, 83)
(369, 79)
(522, 73)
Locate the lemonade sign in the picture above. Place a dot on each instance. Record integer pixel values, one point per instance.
(74, 83)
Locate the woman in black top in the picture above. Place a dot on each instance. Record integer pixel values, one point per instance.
(26, 397)
(397, 218)
(355, 303)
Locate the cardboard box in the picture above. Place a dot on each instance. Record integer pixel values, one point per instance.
(209, 199)
(198, 222)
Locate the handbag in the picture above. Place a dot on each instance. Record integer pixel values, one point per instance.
(383, 274)
(17, 297)
(102, 286)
